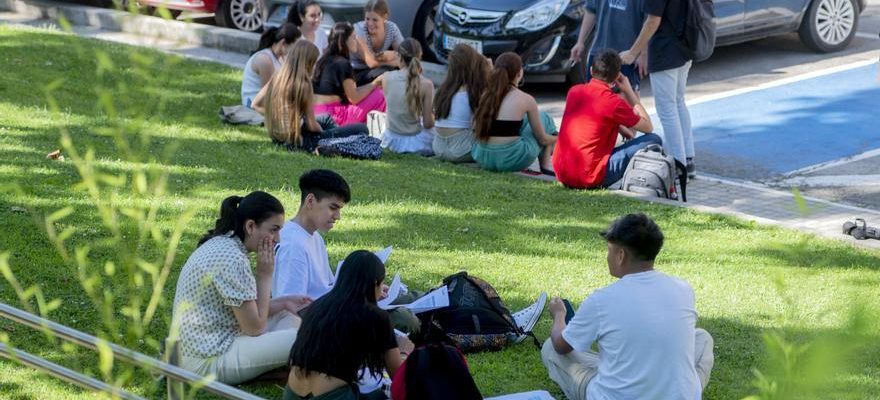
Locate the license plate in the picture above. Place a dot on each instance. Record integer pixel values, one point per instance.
(450, 41)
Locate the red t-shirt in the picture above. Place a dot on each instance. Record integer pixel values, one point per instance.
(588, 133)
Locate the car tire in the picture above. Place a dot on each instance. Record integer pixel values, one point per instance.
(244, 15)
(424, 28)
(829, 25)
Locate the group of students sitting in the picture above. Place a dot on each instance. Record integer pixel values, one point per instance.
(311, 86)
(292, 312)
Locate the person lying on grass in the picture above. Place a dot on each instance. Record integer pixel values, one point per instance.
(302, 265)
(343, 333)
(225, 320)
(287, 104)
(644, 324)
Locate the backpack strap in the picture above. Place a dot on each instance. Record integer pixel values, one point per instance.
(681, 170)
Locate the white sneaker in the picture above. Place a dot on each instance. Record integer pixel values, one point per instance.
(528, 317)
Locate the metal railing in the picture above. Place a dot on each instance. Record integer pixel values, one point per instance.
(172, 373)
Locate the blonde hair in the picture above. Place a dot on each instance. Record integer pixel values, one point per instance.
(411, 53)
(290, 93)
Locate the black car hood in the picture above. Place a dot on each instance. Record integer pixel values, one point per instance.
(495, 5)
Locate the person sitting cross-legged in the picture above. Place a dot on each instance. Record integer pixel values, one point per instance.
(644, 324)
(585, 156)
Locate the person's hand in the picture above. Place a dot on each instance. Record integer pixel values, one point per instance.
(295, 303)
(627, 133)
(266, 256)
(557, 307)
(379, 81)
(549, 140)
(642, 64)
(384, 292)
(576, 52)
(627, 57)
(623, 83)
(405, 345)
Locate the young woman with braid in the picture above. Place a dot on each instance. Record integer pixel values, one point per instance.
(287, 104)
(409, 97)
(510, 131)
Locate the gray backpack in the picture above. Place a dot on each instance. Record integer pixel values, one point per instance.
(652, 171)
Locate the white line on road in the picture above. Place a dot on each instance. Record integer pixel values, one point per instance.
(834, 163)
(831, 181)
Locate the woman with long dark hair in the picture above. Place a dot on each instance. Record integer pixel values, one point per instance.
(287, 104)
(307, 14)
(410, 97)
(455, 102)
(266, 59)
(344, 335)
(506, 141)
(336, 92)
(223, 317)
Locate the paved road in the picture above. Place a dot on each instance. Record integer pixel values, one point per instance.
(796, 134)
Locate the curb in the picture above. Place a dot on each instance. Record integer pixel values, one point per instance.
(119, 21)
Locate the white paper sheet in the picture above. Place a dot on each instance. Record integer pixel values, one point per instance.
(382, 254)
(393, 292)
(535, 395)
(437, 298)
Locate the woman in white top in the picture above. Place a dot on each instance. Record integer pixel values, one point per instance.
(409, 100)
(224, 318)
(266, 59)
(378, 40)
(307, 15)
(455, 102)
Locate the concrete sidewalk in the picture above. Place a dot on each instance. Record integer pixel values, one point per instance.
(747, 200)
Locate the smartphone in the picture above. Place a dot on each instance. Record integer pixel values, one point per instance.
(569, 310)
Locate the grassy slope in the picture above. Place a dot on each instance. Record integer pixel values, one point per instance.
(521, 235)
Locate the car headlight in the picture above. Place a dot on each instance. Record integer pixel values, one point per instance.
(538, 16)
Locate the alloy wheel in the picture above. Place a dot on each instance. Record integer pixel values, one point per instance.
(834, 20)
(246, 15)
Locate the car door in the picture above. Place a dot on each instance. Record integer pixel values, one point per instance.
(770, 15)
(729, 16)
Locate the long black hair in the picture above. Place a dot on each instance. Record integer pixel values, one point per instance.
(337, 46)
(287, 32)
(235, 211)
(439, 371)
(341, 331)
(298, 9)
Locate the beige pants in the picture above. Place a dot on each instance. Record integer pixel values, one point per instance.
(250, 356)
(573, 371)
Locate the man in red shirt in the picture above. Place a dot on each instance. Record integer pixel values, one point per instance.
(585, 156)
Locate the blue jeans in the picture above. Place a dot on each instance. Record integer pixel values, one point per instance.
(629, 71)
(622, 154)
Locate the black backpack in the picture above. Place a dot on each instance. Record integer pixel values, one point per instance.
(476, 318)
(698, 38)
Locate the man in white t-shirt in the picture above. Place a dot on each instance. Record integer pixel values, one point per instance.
(301, 262)
(644, 324)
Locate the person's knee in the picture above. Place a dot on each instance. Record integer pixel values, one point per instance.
(702, 336)
(548, 352)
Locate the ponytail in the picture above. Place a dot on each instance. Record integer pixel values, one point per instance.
(410, 53)
(507, 67)
(235, 211)
(287, 32)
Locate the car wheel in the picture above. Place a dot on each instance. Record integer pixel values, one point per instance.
(423, 28)
(245, 15)
(829, 25)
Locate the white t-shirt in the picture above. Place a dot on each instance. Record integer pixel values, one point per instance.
(321, 40)
(301, 263)
(644, 324)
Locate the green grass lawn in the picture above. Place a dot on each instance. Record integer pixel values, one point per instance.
(522, 235)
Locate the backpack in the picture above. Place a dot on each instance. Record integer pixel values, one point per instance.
(435, 371)
(476, 318)
(652, 171)
(698, 37)
(359, 147)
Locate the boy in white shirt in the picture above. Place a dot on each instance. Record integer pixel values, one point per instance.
(644, 324)
(302, 265)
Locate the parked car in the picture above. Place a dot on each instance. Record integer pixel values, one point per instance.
(414, 17)
(544, 31)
